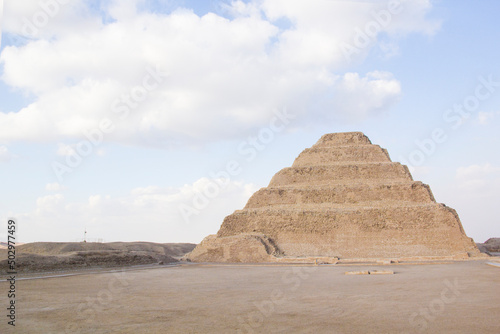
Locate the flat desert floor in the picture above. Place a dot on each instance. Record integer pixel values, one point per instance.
(460, 297)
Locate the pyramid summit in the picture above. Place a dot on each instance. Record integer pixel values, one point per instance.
(343, 198)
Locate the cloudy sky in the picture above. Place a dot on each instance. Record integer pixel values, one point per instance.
(154, 119)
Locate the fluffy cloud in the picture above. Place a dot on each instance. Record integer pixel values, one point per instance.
(138, 213)
(476, 171)
(359, 24)
(31, 19)
(378, 89)
(56, 187)
(164, 78)
(479, 178)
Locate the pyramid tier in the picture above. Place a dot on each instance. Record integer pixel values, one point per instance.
(354, 193)
(360, 232)
(315, 175)
(342, 139)
(320, 156)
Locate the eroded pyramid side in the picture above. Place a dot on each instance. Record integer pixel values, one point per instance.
(345, 198)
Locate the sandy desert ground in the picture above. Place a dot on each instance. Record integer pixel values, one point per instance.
(459, 297)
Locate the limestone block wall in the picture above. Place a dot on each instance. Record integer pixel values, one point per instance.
(324, 174)
(341, 154)
(352, 193)
(350, 232)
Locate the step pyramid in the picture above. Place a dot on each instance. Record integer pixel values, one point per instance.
(343, 198)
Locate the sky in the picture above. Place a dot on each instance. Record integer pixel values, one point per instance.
(152, 120)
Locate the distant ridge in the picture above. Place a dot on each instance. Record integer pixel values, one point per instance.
(56, 256)
(4, 245)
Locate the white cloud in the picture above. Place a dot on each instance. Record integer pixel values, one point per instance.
(484, 117)
(65, 149)
(56, 187)
(5, 155)
(413, 18)
(149, 213)
(50, 205)
(482, 180)
(476, 171)
(45, 19)
(364, 95)
(236, 71)
(335, 22)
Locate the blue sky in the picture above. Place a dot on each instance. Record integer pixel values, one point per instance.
(124, 118)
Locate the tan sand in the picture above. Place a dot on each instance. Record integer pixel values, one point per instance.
(461, 297)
